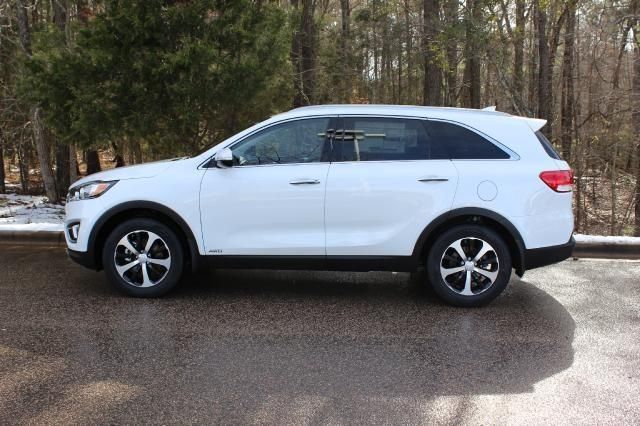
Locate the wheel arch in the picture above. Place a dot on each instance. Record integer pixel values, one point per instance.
(474, 215)
(138, 209)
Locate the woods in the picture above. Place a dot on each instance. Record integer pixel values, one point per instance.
(87, 84)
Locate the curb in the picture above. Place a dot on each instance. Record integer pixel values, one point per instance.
(607, 251)
(43, 238)
(582, 250)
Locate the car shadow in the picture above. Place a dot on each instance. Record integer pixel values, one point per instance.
(290, 346)
(365, 325)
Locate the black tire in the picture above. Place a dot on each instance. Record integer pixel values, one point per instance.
(482, 289)
(159, 278)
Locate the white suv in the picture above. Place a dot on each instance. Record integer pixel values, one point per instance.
(469, 194)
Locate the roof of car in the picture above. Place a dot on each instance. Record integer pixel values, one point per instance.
(406, 110)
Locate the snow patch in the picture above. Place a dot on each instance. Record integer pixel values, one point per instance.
(30, 213)
(45, 227)
(602, 239)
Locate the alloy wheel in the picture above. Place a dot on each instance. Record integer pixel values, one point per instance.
(142, 258)
(469, 266)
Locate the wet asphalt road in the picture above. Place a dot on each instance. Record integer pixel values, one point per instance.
(561, 346)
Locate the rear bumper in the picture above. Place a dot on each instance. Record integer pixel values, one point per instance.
(83, 258)
(535, 258)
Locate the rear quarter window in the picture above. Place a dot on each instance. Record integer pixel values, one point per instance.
(460, 143)
(546, 144)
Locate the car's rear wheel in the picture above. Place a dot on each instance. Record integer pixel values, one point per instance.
(143, 258)
(469, 265)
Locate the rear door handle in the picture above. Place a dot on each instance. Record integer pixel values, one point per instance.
(304, 182)
(433, 179)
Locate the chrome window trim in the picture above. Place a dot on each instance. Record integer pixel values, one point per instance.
(513, 156)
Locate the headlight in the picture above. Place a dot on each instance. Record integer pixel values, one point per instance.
(89, 190)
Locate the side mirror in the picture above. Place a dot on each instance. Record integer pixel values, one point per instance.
(224, 158)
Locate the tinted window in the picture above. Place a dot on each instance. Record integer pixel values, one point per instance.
(301, 141)
(461, 143)
(547, 146)
(381, 139)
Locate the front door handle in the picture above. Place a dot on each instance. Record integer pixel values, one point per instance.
(433, 179)
(304, 182)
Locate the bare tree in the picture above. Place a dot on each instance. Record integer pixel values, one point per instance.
(451, 17)
(345, 49)
(3, 188)
(35, 112)
(544, 67)
(567, 100)
(635, 91)
(62, 149)
(303, 52)
(432, 68)
(472, 68)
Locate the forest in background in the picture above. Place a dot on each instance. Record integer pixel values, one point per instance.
(86, 85)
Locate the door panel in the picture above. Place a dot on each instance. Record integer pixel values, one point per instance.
(271, 202)
(379, 207)
(260, 211)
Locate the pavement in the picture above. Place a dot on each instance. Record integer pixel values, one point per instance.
(559, 346)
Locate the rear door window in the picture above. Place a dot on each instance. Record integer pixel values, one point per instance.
(381, 139)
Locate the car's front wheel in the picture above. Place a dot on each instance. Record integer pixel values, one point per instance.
(469, 265)
(143, 258)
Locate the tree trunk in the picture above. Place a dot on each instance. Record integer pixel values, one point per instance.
(118, 156)
(567, 100)
(432, 70)
(62, 150)
(471, 98)
(303, 52)
(74, 172)
(518, 47)
(43, 155)
(636, 122)
(309, 50)
(345, 47)
(93, 162)
(451, 16)
(544, 70)
(24, 33)
(23, 166)
(137, 152)
(3, 189)
(409, 52)
(298, 99)
(35, 112)
(63, 169)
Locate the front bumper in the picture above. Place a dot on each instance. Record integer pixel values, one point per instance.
(536, 258)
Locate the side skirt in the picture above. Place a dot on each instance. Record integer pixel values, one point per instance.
(316, 263)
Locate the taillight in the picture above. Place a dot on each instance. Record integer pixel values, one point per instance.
(558, 180)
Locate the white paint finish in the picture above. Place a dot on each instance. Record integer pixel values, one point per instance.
(137, 171)
(380, 208)
(176, 188)
(371, 208)
(256, 210)
(543, 217)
